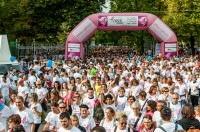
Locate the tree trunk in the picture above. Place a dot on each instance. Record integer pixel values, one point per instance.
(192, 40)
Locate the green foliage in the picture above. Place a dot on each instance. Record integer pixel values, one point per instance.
(183, 17)
(44, 20)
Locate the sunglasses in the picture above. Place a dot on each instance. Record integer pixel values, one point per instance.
(123, 123)
(165, 91)
(76, 96)
(38, 84)
(62, 107)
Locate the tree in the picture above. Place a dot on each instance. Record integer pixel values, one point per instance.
(183, 16)
(44, 20)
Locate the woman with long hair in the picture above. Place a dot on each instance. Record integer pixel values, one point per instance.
(56, 86)
(13, 122)
(188, 118)
(13, 96)
(54, 96)
(152, 95)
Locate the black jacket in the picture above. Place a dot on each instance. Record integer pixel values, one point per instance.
(187, 123)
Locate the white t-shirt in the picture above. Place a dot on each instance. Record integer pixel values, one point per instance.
(52, 119)
(26, 118)
(32, 80)
(147, 86)
(128, 110)
(74, 129)
(37, 119)
(107, 125)
(5, 113)
(2, 127)
(181, 90)
(176, 111)
(169, 127)
(136, 90)
(5, 87)
(76, 109)
(22, 91)
(132, 119)
(105, 106)
(88, 123)
(157, 118)
(118, 130)
(41, 92)
(90, 104)
(194, 88)
(121, 101)
(36, 68)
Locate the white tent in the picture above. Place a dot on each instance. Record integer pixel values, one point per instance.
(4, 49)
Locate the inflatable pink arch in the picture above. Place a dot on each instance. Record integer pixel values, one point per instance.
(121, 22)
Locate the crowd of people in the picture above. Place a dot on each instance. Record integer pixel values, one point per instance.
(112, 93)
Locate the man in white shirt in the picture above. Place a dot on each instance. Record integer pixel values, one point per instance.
(5, 90)
(85, 119)
(175, 106)
(167, 126)
(66, 123)
(27, 119)
(36, 67)
(32, 78)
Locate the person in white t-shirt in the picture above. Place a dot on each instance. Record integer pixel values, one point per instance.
(182, 90)
(167, 125)
(121, 99)
(5, 90)
(2, 128)
(130, 99)
(108, 122)
(23, 91)
(27, 119)
(85, 119)
(36, 67)
(5, 113)
(175, 107)
(156, 116)
(194, 88)
(52, 118)
(36, 108)
(76, 103)
(66, 123)
(90, 101)
(135, 118)
(42, 94)
(32, 78)
(122, 123)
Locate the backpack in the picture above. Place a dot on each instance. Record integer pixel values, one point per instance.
(98, 113)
